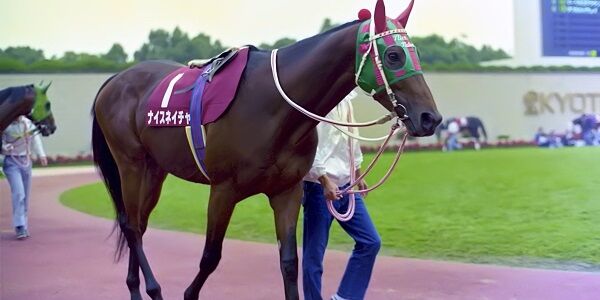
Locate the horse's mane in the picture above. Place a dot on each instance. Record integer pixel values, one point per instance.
(13, 93)
(310, 41)
(320, 36)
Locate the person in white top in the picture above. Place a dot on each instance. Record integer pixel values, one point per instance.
(329, 174)
(18, 139)
(452, 138)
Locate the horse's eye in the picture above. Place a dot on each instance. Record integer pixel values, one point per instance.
(394, 58)
(47, 106)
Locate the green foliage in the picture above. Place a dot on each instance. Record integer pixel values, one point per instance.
(24, 59)
(27, 55)
(434, 50)
(436, 54)
(177, 46)
(11, 65)
(528, 207)
(278, 44)
(116, 54)
(327, 24)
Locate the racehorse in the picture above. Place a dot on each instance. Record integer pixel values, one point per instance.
(470, 127)
(260, 145)
(28, 100)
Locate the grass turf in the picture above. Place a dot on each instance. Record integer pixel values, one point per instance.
(529, 207)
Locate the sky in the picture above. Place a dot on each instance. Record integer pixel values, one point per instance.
(56, 26)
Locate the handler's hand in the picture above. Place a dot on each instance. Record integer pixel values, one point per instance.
(44, 161)
(362, 185)
(330, 190)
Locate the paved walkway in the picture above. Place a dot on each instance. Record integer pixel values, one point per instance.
(69, 257)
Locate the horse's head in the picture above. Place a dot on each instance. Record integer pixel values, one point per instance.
(388, 68)
(41, 114)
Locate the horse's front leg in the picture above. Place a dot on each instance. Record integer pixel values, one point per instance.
(286, 206)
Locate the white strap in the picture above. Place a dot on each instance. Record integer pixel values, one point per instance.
(364, 139)
(389, 32)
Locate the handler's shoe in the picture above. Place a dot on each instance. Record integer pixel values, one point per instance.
(21, 232)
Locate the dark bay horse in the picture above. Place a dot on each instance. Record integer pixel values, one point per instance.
(260, 144)
(30, 101)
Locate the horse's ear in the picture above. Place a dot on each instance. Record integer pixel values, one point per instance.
(379, 16)
(403, 17)
(45, 88)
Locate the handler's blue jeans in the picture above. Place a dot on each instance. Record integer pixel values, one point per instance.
(19, 179)
(317, 222)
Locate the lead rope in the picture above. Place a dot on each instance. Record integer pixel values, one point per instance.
(355, 181)
(351, 198)
(349, 190)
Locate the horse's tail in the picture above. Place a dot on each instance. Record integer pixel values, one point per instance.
(105, 162)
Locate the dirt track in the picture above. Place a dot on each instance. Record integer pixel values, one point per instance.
(70, 257)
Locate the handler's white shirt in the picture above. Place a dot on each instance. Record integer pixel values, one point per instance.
(333, 155)
(453, 127)
(14, 141)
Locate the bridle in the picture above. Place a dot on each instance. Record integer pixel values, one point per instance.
(399, 109)
(375, 80)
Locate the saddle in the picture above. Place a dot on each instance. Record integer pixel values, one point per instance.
(216, 63)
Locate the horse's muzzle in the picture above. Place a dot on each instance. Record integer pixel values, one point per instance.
(425, 125)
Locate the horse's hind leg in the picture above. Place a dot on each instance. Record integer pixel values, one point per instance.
(286, 206)
(220, 208)
(133, 277)
(141, 189)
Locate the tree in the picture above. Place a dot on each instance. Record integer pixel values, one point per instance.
(27, 55)
(434, 50)
(280, 43)
(327, 25)
(177, 46)
(116, 54)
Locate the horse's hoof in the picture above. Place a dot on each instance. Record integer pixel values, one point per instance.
(188, 295)
(136, 296)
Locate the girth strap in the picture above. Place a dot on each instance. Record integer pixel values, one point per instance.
(196, 118)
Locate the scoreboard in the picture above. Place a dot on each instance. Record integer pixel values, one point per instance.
(570, 28)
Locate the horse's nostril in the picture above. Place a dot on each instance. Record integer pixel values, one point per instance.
(428, 121)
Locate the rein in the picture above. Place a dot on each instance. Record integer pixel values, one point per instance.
(355, 181)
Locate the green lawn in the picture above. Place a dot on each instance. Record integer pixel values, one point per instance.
(529, 207)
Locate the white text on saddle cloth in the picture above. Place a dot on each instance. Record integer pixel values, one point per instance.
(168, 117)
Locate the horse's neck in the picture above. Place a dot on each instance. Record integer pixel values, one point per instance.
(317, 73)
(11, 109)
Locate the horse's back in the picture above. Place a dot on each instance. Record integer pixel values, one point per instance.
(133, 84)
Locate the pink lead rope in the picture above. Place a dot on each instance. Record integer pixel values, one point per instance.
(354, 181)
